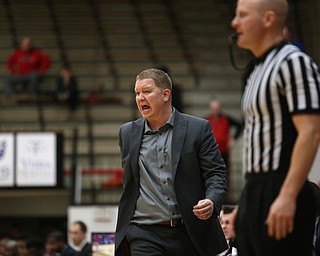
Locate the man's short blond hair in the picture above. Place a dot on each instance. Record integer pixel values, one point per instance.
(160, 78)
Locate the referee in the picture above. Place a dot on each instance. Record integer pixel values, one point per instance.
(281, 109)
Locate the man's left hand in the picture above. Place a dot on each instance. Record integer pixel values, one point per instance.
(204, 209)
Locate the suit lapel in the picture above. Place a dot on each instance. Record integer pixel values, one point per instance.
(136, 139)
(178, 136)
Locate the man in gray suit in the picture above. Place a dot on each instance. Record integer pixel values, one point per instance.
(174, 178)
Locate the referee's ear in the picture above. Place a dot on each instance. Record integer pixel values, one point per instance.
(269, 18)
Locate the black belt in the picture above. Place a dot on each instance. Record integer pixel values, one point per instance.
(172, 223)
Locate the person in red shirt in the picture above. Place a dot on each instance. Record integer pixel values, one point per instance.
(225, 129)
(27, 66)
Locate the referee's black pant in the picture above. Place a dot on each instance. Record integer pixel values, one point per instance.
(251, 231)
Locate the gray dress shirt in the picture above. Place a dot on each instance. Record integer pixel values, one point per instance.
(157, 201)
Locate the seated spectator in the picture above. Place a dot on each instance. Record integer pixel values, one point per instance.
(67, 89)
(78, 235)
(56, 245)
(177, 97)
(21, 245)
(27, 66)
(35, 247)
(288, 35)
(228, 230)
(8, 247)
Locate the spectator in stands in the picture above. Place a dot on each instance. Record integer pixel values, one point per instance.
(55, 244)
(289, 36)
(8, 247)
(27, 66)
(228, 230)
(21, 245)
(35, 247)
(78, 235)
(67, 89)
(226, 130)
(177, 101)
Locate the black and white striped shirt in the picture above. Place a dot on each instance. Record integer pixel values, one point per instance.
(284, 82)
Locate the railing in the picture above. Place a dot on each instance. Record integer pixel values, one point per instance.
(56, 30)
(183, 44)
(144, 30)
(97, 182)
(104, 43)
(296, 20)
(12, 28)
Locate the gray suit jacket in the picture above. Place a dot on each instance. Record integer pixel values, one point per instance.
(199, 173)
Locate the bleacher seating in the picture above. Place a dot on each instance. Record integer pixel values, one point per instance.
(107, 43)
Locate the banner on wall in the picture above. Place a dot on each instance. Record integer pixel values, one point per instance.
(31, 159)
(36, 159)
(6, 159)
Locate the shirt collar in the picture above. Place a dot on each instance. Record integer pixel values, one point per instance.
(276, 47)
(170, 121)
(81, 245)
